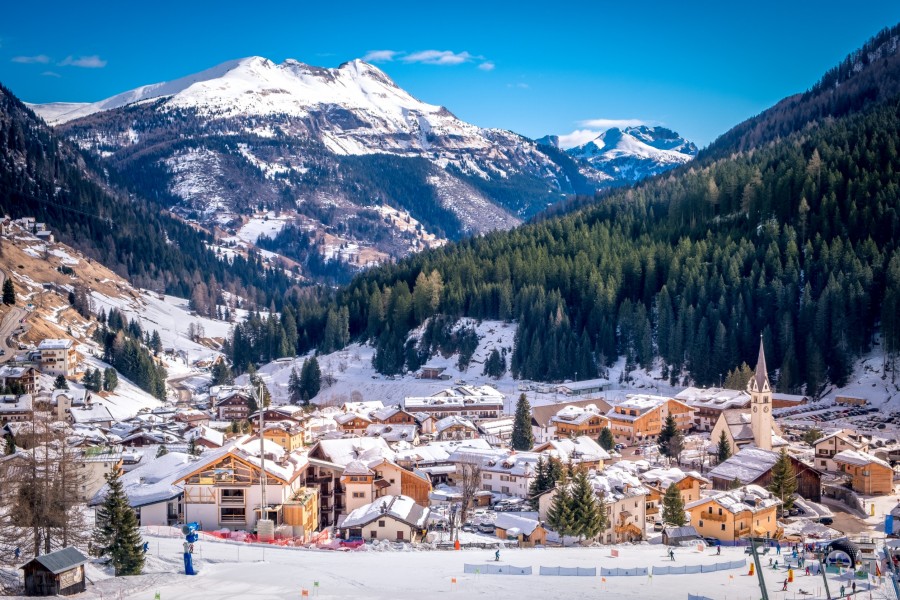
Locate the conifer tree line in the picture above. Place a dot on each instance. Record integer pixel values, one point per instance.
(797, 240)
(127, 347)
(577, 510)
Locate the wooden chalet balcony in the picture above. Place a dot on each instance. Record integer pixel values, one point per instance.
(714, 517)
(742, 531)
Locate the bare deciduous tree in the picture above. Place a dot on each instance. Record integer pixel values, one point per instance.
(468, 480)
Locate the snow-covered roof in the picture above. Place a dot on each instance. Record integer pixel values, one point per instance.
(11, 403)
(509, 521)
(91, 413)
(365, 406)
(855, 457)
(580, 449)
(11, 372)
(584, 384)
(617, 482)
(206, 433)
(748, 465)
(55, 344)
(749, 497)
(715, 398)
(576, 415)
(453, 421)
(392, 433)
(154, 481)
(350, 416)
(384, 413)
(662, 477)
(343, 451)
(642, 402)
(541, 415)
(401, 508)
(843, 435)
(438, 452)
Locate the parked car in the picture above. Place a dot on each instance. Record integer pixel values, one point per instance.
(658, 526)
(468, 527)
(620, 446)
(486, 528)
(826, 520)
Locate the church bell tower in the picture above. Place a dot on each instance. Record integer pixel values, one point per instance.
(761, 402)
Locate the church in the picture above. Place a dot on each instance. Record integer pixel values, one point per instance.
(753, 427)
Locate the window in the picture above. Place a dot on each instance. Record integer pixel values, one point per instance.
(723, 526)
(381, 523)
(487, 475)
(359, 494)
(232, 515)
(701, 523)
(232, 497)
(373, 534)
(720, 511)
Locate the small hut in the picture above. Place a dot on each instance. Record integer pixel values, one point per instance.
(680, 536)
(58, 573)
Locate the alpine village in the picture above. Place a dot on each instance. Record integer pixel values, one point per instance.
(275, 330)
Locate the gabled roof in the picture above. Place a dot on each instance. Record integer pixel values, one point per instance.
(861, 459)
(541, 415)
(509, 521)
(59, 561)
(749, 497)
(401, 508)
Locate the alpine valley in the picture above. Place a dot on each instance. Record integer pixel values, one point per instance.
(339, 168)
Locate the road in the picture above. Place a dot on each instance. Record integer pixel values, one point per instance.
(12, 321)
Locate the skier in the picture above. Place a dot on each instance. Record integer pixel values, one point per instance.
(784, 585)
(778, 549)
(807, 569)
(842, 590)
(853, 587)
(497, 555)
(672, 555)
(718, 550)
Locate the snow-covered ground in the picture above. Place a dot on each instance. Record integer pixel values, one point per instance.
(232, 570)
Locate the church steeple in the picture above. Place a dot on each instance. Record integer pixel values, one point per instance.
(760, 380)
(761, 402)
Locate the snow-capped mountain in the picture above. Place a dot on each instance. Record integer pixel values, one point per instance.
(633, 153)
(328, 149)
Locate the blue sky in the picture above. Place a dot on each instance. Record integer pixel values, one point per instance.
(535, 68)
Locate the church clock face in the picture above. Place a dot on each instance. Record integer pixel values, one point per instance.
(765, 409)
(755, 408)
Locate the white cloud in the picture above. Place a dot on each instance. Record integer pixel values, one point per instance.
(486, 66)
(50, 74)
(604, 124)
(86, 62)
(439, 57)
(373, 56)
(577, 138)
(30, 60)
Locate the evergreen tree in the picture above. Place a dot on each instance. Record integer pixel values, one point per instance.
(606, 439)
(588, 512)
(93, 380)
(812, 435)
(221, 374)
(193, 449)
(156, 342)
(110, 379)
(540, 483)
(9, 292)
(559, 515)
(10, 444)
(673, 507)
(310, 379)
(295, 387)
(117, 535)
(60, 383)
(669, 432)
(723, 449)
(522, 435)
(784, 480)
(161, 451)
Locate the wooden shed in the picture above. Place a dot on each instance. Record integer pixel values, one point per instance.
(58, 573)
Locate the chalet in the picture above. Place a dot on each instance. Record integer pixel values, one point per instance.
(94, 463)
(290, 436)
(527, 532)
(867, 474)
(680, 536)
(353, 423)
(584, 387)
(57, 357)
(363, 407)
(22, 379)
(503, 472)
(90, 413)
(434, 458)
(392, 415)
(205, 437)
(780, 400)
(455, 428)
(482, 402)
(397, 518)
(394, 433)
(432, 372)
(192, 417)
(583, 451)
(574, 421)
(59, 573)
(754, 466)
(826, 448)
(641, 417)
(16, 408)
(542, 425)
(497, 431)
(232, 404)
(709, 403)
(657, 481)
(367, 480)
(731, 515)
(224, 488)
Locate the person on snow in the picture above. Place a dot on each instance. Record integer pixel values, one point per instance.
(497, 555)
(672, 555)
(718, 550)
(784, 585)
